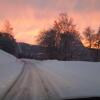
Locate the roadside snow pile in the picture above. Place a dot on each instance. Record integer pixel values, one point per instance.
(72, 78)
(10, 67)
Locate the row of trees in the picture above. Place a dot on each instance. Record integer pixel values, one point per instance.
(59, 38)
(61, 41)
(63, 38)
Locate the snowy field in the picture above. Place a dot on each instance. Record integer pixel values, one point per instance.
(69, 79)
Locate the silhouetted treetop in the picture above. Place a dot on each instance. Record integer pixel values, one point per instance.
(7, 28)
(64, 24)
(89, 35)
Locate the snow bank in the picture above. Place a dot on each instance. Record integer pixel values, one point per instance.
(72, 78)
(10, 67)
(6, 58)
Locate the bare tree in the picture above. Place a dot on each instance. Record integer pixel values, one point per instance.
(7, 39)
(88, 33)
(98, 38)
(47, 40)
(8, 27)
(97, 44)
(63, 25)
(66, 34)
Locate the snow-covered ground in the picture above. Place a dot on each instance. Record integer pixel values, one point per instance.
(70, 79)
(74, 79)
(10, 68)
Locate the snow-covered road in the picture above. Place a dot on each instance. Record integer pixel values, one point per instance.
(31, 85)
(47, 80)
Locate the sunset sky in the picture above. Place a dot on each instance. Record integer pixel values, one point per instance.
(29, 17)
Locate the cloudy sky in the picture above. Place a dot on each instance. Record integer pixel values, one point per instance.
(28, 17)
